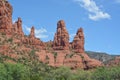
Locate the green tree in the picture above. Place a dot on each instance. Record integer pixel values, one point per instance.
(3, 72)
(14, 72)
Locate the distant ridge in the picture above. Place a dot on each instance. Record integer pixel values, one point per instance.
(101, 56)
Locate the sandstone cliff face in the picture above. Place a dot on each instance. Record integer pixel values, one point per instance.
(78, 42)
(65, 58)
(5, 16)
(61, 38)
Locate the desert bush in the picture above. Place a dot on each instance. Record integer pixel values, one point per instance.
(40, 71)
(106, 73)
(101, 73)
(10, 40)
(3, 33)
(13, 72)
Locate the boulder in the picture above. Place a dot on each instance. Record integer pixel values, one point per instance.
(17, 27)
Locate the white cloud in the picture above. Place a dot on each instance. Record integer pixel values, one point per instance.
(41, 30)
(95, 13)
(41, 36)
(99, 15)
(14, 21)
(39, 33)
(28, 29)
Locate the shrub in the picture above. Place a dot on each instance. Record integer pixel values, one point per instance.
(3, 33)
(10, 40)
(40, 71)
(13, 72)
(3, 72)
(32, 52)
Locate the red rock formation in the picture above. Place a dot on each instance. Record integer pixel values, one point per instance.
(75, 59)
(65, 58)
(17, 27)
(61, 38)
(32, 40)
(60, 56)
(78, 60)
(46, 57)
(78, 42)
(32, 33)
(5, 16)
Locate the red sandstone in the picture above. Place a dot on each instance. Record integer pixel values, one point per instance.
(59, 54)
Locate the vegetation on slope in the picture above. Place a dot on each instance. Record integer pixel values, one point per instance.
(19, 71)
(101, 56)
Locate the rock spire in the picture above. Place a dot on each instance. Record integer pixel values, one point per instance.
(61, 38)
(78, 42)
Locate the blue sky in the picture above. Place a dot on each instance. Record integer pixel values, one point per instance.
(100, 20)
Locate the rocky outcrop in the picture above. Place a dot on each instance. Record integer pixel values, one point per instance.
(61, 38)
(6, 25)
(32, 33)
(77, 58)
(17, 27)
(32, 40)
(78, 42)
(5, 17)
